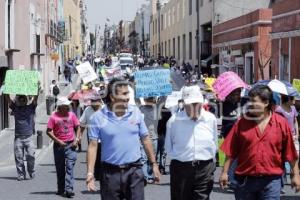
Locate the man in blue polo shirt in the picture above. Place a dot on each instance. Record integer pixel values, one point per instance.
(120, 128)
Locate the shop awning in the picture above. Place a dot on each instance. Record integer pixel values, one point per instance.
(207, 61)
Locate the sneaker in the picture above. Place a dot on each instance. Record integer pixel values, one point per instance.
(60, 193)
(70, 194)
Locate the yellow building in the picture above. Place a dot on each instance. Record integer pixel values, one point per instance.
(72, 43)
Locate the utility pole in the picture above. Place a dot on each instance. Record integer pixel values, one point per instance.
(143, 34)
(158, 7)
(198, 38)
(95, 40)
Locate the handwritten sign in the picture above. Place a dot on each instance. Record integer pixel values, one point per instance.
(296, 84)
(209, 82)
(152, 83)
(21, 82)
(86, 72)
(226, 83)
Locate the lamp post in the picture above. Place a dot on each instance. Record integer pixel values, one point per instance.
(198, 39)
(158, 7)
(143, 33)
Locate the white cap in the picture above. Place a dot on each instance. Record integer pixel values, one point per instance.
(63, 101)
(192, 94)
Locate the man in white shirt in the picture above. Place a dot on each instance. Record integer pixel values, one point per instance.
(191, 143)
(85, 123)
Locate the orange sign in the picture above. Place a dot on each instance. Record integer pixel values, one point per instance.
(54, 56)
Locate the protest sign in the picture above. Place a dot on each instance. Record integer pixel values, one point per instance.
(226, 83)
(21, 82)
(209, 82)
(296, 84)
(152, 83)
(86, 72)
(221, 154)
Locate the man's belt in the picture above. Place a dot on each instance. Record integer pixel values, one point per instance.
(124, 166)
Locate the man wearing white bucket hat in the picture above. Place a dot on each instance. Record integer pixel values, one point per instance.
(191, 143)
(60, 129)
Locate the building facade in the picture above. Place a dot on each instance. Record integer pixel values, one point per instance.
(243, 45)
(72, 43)
(286, 40)
(175, 32)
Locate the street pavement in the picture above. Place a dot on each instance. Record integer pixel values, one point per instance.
(43, 187)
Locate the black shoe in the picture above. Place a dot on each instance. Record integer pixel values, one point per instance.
(60, 193)
(70, 194)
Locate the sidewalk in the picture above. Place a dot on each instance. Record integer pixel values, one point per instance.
(7, 135)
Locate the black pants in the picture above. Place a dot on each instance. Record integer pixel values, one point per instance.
(191, 181)
(97, 169)
(120, 184)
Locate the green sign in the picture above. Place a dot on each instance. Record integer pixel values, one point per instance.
(296, 84)
(21, 82)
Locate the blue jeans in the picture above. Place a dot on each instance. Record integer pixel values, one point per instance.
(65, 158)
(258, 188)
(147, 169)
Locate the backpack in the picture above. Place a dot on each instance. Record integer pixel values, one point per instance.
(55, 90)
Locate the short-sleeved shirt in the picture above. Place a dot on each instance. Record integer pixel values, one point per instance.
(151, 119)
(24, 119)
(260, 154)
(290, 116)
(63, 127)
(85, 119)
(120, 136)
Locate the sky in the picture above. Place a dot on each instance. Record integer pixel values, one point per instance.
(114, 10)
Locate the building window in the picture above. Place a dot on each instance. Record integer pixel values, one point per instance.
(190, 7)
(166, 53)
(70, 25)
(183, 47)
(178, 47)
(174, 48)
(162, 22)
(190, 46)
(169, 49)
(284, 68)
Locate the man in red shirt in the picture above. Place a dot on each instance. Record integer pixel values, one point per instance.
(261, 141)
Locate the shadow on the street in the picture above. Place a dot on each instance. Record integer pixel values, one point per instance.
(9, 178)
(220, 190)
(46, 165)
(289, 198)
(44, 193)
(80, 179)
(52, 172)
(88, 192)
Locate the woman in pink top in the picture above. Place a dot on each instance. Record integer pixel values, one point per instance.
(61, 129)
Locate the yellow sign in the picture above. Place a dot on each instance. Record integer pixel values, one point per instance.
(209, 82)
(296, 84)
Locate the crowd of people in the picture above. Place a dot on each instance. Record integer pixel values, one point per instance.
(129, 139)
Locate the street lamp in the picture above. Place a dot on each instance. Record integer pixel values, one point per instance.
(198, 39)
(158, 7)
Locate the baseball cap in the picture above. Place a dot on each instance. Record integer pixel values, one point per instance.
(63, 101)
(192, 94)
